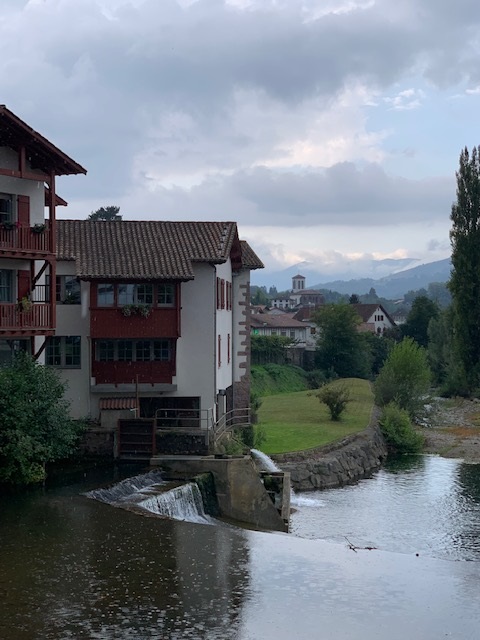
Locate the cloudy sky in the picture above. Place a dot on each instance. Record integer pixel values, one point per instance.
(330, 130)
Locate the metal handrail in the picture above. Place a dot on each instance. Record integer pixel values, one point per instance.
(236, 418)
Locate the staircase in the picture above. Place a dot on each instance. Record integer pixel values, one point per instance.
(136, 438)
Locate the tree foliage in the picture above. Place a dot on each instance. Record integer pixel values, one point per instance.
(341, 348)
(270, 349)
(106, 213)
(416, 327)
(336, 396)
(398, 431)
(35, 427)
(404, 378)
(465, 280)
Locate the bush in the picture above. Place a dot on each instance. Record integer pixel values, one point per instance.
(404, 378)
(35, 426)
(398, 431)
(336, 397)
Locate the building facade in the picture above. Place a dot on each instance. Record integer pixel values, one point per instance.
(152, 318)
(29, 165)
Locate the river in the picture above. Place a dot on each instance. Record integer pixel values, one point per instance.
(73, 567)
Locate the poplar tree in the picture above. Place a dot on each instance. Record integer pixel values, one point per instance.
(465, 279)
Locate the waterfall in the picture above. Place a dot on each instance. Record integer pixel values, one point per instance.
(266, 463)
(150, 493)
(181, 503)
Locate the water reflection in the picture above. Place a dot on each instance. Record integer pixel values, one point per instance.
(417, 504)
(74, 568)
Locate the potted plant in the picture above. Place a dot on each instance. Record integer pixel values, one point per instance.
(39, 228)
(8, 225)
(25, 304)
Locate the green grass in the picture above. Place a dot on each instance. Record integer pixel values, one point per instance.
(298, 421)
(270, 379)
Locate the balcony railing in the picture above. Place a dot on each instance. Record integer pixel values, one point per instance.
(25, 239)
(13, 318)
(116, 373)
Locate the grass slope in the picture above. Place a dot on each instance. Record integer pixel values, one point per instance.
(270, 379)
(298, 421)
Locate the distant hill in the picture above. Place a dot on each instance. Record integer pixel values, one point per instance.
(395, 285)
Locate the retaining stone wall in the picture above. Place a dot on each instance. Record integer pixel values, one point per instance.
(339, 463)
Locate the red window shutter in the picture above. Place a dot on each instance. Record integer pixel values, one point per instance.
(228, 349)
(23, 211)
(219, 348)
(23, 283)
(218, 293)
(222, 289)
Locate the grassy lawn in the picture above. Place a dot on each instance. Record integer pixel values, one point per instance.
(297, 421)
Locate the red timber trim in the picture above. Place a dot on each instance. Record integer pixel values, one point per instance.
(23, 211)
(28, 175)
(229, 347)
(24, 283)
(219, 350)
(53, 244)
(178, 293)
(222, 293)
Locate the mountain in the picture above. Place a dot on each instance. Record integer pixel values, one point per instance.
(396, 284)
(394, 277)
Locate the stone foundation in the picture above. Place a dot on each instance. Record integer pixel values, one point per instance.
(337, 464)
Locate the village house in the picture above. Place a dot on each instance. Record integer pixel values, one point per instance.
(375, 318)
(157, 313)
(29, 166)
(299, 296)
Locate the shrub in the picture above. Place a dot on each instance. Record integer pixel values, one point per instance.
(336, 397)
(398, 431)
(404, 378)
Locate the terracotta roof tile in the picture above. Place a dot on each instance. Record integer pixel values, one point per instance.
(250, 260)
(149, 250)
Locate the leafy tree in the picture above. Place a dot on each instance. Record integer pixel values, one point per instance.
(336, 396)
(465, 280)
(398, 431)
(416, 327)
(379, 348)
(340, 347)
(106, 213)
(259, 296)
(404, 378)
(35, 427)
(439, 293)
(354, 299)
(446, 368)
(270, 349)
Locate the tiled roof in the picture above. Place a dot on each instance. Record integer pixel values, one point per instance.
(365, 311)
(275, 321)
(148, 250)
(41, 152)
(250, 260)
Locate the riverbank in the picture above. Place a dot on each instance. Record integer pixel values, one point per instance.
(454, 430)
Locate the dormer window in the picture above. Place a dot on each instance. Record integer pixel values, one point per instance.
(7, 209)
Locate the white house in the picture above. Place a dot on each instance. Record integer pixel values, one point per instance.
(374, 318)
(152, 316)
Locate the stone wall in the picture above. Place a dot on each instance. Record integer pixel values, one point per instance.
(339, 463)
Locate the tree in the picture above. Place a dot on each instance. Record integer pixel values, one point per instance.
(416, 327)
(404, 378)
(341, 348)
(354, 299)
(35, 427)
(465, 280)
(336, 396)
(106, 213)
(446, 368)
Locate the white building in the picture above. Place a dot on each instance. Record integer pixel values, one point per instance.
(152, 316)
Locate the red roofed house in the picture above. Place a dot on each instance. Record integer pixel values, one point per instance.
(374, 318)
(29, 165)
(153, 318)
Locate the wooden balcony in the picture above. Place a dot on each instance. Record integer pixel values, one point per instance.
(117, 373)
(38, 320)
(21, 242)
(112, 323)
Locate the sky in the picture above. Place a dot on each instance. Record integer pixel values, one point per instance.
(329, 130)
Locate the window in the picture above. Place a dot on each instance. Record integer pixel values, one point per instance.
(292, 334)
(135, 294)
(133, 350)
(105, 351)
(64, 352)
(105, 295)
(166, 295)
(6, 289)
(7, 208)
(283, 332)
(68, 290)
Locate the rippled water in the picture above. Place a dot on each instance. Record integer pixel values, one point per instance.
(75, 568)
(417, 504)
